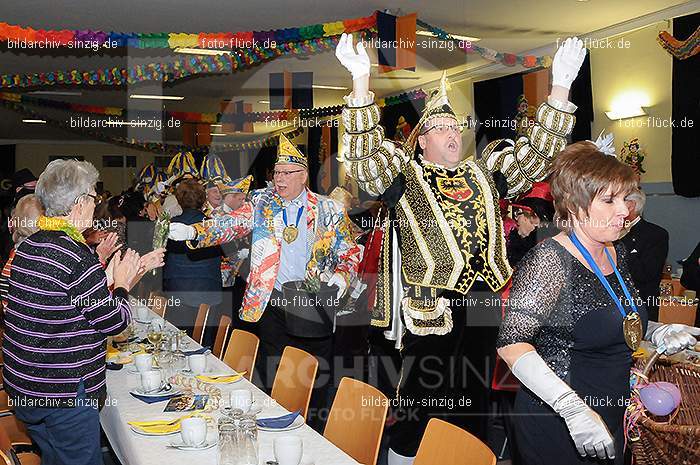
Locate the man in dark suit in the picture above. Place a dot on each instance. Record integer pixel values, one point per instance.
(647, 247)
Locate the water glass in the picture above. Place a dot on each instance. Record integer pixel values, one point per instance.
(229, 450)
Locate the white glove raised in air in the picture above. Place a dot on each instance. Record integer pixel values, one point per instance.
(338, 280)
(243, 254)
(355, 62)
(181, 232)
(567, 62)
(587, 429)
(673, 337)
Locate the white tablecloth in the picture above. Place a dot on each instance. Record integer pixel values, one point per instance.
(134, 449)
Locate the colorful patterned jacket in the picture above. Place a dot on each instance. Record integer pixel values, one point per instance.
(333, 248)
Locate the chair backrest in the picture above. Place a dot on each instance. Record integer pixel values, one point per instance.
(446, 443)
(241, 352)
(221, 335)
(294, 380)
(158, 303)
(5, 447)
(200, 323)
(356, 420)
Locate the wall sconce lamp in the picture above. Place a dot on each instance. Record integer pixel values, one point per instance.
(624, 113)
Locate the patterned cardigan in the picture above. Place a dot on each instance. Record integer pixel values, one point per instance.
(333, 248)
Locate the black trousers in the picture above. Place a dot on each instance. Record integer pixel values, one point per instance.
(273, 339)
(449, 376)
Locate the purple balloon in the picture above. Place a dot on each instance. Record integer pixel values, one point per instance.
(660, 398)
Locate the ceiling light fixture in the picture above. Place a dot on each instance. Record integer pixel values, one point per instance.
(201, 51)
(329, 87)
(218, 134)
(263, 101)
(156, 97)
(34, 121)
(216, 125)
(454, 36)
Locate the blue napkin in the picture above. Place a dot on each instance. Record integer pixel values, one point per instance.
(155, 399)
(279, 422)
(203, 350)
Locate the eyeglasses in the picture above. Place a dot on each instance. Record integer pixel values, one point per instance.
(285, 173)
(95, 198)
(441, 129)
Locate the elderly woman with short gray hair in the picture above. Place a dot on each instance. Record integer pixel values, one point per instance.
(60, 311)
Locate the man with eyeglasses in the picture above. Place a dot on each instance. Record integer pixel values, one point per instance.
(447, 243)
(297, 236)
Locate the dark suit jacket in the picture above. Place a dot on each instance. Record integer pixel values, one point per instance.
(691, 271)
(647, 248)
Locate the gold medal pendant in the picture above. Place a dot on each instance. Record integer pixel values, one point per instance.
(632, 330)
(290, 233)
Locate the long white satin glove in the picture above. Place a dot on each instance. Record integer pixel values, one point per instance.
(356, 62)
(586, 428)
(674, 337)
(567, 62)
(181, 232)
(338, 280)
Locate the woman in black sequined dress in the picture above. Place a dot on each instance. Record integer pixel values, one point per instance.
(563, 333)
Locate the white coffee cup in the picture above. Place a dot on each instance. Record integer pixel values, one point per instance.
(151, 380)
(197, 363)
(143, 362)
(193, 431)
(242, 399)
(142, 312)
(288, 450)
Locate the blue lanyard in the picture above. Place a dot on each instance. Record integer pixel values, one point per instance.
(596, 269)
(299, 212)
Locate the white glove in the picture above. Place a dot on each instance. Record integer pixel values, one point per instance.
(182, 232)
(356, 63)
(673, 337)
(587, 429)
(338, 280)
(243, 254)
(567, 62)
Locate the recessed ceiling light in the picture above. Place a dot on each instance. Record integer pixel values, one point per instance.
(455, 36)
(201, 51)
(156, 97)
(35, 121)
(329, 87)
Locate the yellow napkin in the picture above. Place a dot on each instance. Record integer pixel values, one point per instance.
(221, 379)
(156, 427)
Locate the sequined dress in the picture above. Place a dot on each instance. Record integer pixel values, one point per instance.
(559, 306)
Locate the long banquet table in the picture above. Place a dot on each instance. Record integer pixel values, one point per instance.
(134, 449)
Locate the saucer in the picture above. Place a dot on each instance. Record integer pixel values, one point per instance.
(143, 433)
(166, 390)
(182, 446)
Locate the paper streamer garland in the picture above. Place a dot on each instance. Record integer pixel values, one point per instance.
(155, 147)
(681, 49)
(170, 71)
(508, 59)
(220, 40)
(194, 117)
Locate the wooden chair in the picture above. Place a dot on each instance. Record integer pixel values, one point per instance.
(445, 443)
(294, 380)
(8, 443)
(160, 303)
(221, 335)
(241, 352)
(356, 420)
(200, 323)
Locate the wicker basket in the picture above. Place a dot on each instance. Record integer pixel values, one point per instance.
(677, 441)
